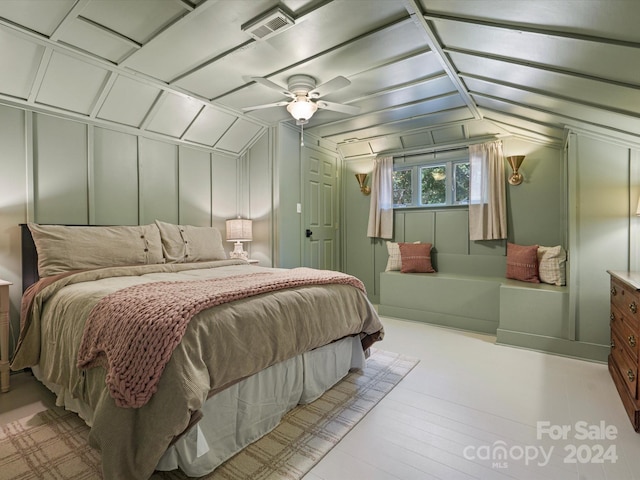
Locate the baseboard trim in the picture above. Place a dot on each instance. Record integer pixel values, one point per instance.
(441, 319)
(558, 346)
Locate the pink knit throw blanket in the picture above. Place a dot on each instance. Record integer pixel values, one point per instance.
(134, 331)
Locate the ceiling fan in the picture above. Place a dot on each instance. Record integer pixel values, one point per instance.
(305, 96)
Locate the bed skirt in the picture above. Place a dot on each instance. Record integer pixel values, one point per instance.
(249, 409)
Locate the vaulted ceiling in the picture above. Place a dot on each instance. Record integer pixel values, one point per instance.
(422, 72)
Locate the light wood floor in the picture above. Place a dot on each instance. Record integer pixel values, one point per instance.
(468, 399)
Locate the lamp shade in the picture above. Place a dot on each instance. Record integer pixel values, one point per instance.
(239, 230)
(302, 108)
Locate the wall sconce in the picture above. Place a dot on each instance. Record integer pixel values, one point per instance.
(239, 230)
(362, 180)
(515, 161)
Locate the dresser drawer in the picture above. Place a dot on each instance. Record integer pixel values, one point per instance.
(630, 404)
(627, 367)
(627, 301)
(621, 326)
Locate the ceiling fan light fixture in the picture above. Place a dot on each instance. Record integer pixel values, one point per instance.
(302, 109)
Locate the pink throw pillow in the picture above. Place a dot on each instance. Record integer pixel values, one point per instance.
(522, 262)
(416, 258)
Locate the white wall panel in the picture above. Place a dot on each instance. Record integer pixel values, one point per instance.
(194, 167)
(260, 195)
(13, 201)
(599, 240)
(115, 178)
(224, 185)
(158, 181)
(60, 170)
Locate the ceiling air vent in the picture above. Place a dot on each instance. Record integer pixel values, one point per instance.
(268, 24)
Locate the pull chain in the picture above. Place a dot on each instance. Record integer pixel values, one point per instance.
(302, 135)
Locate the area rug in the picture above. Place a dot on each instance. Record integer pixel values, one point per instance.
(53, 444)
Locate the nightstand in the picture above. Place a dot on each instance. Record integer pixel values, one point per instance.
(4, 335)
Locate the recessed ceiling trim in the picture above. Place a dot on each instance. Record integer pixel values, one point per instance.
(66, 114)
(510, 125)
(68, 19)
(188, 16)
(539, 66)
(123, 38)
(562, 119)
(126, 72)
(160, 99)
(402, 120)
(533, 30)
(99, 101)
(385, 110)
(399, 88)
(195, 117)
(186, 4)
(431, 39)
(519, 117)
(42, 70)
(413, 131)
(529, 135)
(546, 93)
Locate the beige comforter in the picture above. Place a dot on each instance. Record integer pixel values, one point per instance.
(232, 340)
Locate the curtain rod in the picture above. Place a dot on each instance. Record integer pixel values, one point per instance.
(439, 148)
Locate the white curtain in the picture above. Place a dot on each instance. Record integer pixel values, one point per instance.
(487, 200)
(381, 204)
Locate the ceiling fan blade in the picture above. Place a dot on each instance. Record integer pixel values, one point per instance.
(272, 85)
(338, 107)
(330, 86)
(267, 105)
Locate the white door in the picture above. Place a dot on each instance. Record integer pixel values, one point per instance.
(320, 222)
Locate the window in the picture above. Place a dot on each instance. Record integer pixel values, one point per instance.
(431, 184)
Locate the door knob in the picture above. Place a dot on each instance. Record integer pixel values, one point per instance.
(308, 233)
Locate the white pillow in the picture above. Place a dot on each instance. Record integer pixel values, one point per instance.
(395, 261)
(552, 265)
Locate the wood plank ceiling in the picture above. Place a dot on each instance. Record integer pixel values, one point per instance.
(422, 72)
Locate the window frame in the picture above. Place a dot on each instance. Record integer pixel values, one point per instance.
(416, 176)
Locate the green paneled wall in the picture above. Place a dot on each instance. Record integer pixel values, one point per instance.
(194, 187)
(56, 170)
(535, 216)
(115, 169)
(60, 166)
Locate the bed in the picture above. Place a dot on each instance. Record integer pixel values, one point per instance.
(175, 356)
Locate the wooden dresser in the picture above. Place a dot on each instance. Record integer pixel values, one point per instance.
(625, 336)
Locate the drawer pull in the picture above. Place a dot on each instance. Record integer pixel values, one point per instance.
(614, 292)
(613, 343)
(630, 375)
(632, 340)
(612, 317)
(633, 307)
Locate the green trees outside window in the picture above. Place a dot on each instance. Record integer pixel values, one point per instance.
(432, 184)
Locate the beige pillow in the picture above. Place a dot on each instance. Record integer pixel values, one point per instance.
(62, 248)
(394, 263)
(186, 243)
(552, 265)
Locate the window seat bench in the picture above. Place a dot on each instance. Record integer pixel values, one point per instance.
(487, 304)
